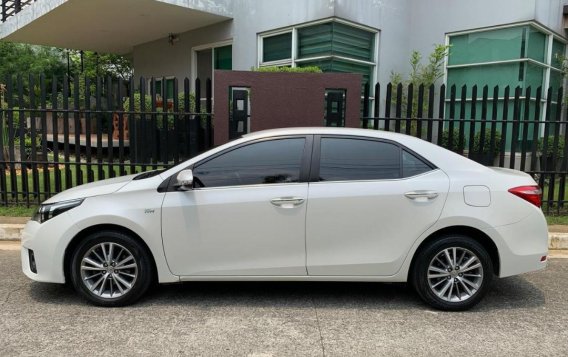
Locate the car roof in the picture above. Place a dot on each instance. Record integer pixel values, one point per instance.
(315, 130)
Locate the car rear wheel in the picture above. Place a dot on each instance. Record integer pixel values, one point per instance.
(452, 273)
(111, 269)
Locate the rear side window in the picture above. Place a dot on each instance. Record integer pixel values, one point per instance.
(412, 165)
(356, 159)
(267, 162)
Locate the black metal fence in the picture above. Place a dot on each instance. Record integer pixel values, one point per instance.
(57, 134)
(523, 129)
(60, 132)
(12, 7)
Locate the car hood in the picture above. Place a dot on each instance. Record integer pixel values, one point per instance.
(98, 188)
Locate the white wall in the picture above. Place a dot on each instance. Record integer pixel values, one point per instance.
(404, 25)
(159, 58)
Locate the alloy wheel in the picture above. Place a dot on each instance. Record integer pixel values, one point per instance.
(455, 274)
(109, 270)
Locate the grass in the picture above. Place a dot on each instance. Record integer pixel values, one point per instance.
(17, 211)
(16, 194)
(557, 220)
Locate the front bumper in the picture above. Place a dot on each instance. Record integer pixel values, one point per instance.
(48, 242)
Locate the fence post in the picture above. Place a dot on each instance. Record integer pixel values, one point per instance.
(388, 104)
(409, 109)
(366, 105)
(377, 106)
(4, 11)
(197, 117)
(536, 129)
(398, 108)
(525, 128)
(515, 131)
(472, 118)
(209, 107)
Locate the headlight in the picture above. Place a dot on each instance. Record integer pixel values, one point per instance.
(46, 212)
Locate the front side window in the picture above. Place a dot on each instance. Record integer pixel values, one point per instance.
(267, 162)
(343, 159)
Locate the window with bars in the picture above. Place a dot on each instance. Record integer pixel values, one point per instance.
(514, 56)
(333, 46)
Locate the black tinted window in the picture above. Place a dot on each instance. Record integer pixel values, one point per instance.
(275, 161)
(412, 166)
(353, 159)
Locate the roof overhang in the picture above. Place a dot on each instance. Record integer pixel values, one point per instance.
(109, 26)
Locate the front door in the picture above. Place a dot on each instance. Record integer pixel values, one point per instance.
(239, 115)
(246, 214)
(373, 199)
(335, 107)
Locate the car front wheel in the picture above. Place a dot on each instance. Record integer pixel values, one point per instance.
(452, 273)
(111, 269)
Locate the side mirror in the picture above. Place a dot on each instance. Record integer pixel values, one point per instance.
(184, 180)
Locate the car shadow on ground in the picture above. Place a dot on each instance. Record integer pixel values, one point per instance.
(509, 293)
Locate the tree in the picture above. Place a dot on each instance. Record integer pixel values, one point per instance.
(23, 59)
(421, 74)
(95, 64)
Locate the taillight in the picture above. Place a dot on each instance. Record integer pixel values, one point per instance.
(531, 194)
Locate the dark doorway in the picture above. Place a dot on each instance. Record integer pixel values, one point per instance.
(335, 107)
(239, 112)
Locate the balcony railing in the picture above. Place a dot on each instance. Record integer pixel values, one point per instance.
(12, 7)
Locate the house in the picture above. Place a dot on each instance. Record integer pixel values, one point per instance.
(506, 42)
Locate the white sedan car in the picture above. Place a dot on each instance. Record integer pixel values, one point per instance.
(299, 204)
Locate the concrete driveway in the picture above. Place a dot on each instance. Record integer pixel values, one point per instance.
(521, 316)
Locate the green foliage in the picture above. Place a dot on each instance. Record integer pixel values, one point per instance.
(148, 102)
(562, 62)
(28, 143)
(455, 143)
(278, 69)
(550, 146)
(425, 74)
(100, 64)
(23, 59)
(148, 107)
(486, 145)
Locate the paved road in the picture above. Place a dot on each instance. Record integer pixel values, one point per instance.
(521, 316)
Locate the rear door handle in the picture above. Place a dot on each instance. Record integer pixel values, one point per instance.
(287, 202)
(421, 195)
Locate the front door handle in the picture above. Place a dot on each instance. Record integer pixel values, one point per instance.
(287, 202)
(421, 195)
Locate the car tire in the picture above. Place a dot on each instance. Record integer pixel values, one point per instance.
(111, 269)
(457, 286)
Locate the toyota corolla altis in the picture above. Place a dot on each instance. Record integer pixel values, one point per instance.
(299, 204)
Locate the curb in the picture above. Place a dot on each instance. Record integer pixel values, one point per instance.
(557, 240)
(13, 232)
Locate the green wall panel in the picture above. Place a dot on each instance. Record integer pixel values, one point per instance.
(487, 46)
(558, 52)
(223, 57)
(501, 75)
(536, 45)
(277, 47)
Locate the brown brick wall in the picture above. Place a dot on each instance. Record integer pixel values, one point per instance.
(281, 100)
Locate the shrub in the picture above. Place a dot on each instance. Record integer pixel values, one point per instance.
(148, 102)
(486, 145)
(550, 146)
(279, 69)
(455, 144)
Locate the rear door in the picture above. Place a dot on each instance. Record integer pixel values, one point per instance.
(369, 200)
